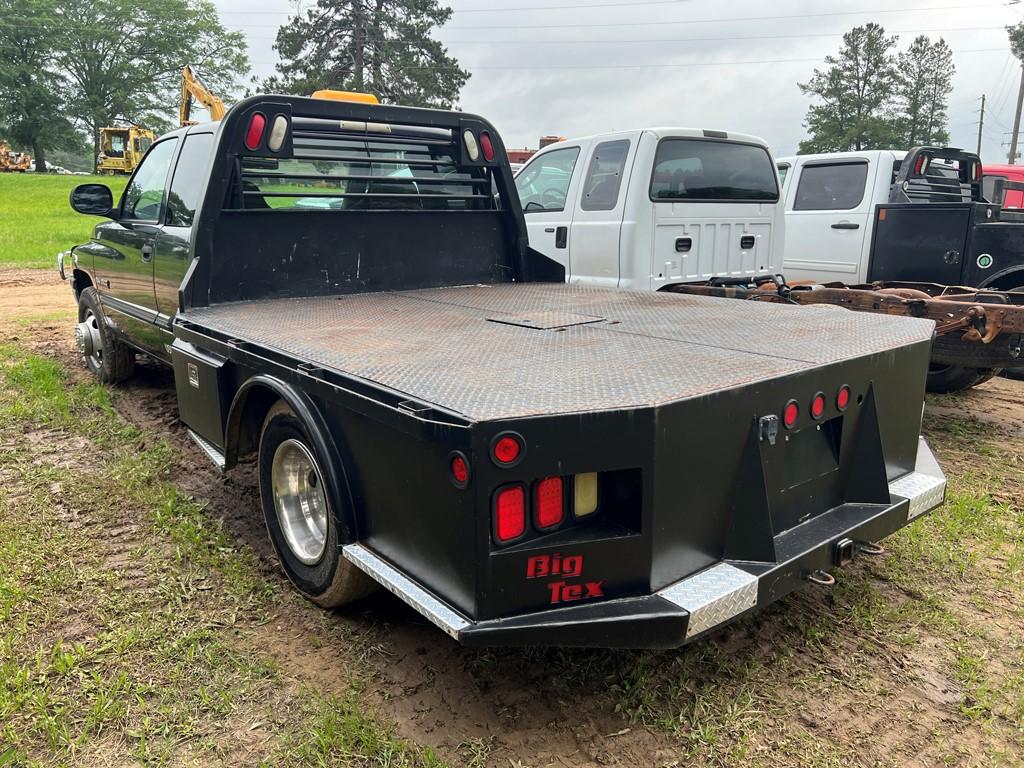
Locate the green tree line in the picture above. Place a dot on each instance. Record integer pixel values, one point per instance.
(871, 95)
(71, 67)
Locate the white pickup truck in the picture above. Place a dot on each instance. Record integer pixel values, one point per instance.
(647, 209)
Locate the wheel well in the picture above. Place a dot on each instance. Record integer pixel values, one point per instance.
(80, 281)
(257, 401)
(1008, 282)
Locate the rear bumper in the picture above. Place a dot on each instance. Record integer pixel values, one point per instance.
(692, 606)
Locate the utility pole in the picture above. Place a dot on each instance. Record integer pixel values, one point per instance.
(1012, 159)
(981, 123)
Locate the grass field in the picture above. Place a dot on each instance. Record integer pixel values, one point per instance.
(36, 221)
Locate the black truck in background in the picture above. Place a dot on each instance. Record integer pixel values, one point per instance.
(913, 234)
(433, 409)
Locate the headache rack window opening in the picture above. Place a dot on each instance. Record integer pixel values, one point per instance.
(330, 162)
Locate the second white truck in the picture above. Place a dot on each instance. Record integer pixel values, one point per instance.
(647, 209)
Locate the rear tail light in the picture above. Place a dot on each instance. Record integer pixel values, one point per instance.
(584, 494)
(254, 133)
(843, 398)
(507, 449)
(919, 166)
(486, 146)
(790, 414)
(818, 406)
(549, 503)
(509, 513)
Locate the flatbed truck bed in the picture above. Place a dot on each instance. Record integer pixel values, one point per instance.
(433, 410)
(461, 348)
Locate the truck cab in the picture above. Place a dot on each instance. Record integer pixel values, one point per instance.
(886, 215)
(648, 209)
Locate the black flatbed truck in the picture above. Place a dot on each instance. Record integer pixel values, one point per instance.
(434, 410)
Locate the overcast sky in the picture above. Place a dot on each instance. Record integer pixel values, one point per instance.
(576, 67)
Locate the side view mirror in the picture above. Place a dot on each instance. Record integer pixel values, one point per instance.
(93, 199)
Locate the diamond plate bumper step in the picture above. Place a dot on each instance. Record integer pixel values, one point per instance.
(692, 606)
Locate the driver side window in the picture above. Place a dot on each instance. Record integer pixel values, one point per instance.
(143, 198)
(543, 185)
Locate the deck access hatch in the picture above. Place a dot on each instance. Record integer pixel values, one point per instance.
(546, 320)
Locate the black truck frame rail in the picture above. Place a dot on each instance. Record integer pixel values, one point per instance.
(974, 328)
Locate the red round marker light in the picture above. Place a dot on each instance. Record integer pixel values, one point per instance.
(843, 398)
(818, 406)
(460, 470)
(254, 133)
(507, 450)
(486, 146)
(790, 414)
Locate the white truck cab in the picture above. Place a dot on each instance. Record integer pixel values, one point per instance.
(645, 209)
(830, 204)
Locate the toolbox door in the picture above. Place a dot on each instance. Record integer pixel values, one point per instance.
(921, 243)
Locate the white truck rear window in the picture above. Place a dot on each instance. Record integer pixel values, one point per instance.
(705, 170)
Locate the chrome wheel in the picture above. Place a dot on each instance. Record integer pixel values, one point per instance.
(89, 339)
(300, 501)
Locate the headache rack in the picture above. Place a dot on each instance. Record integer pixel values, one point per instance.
(357, 165)
(937, 175)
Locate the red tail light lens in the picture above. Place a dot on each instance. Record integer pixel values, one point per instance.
(790, 414)
(549, 502)
(507, 449)
(254, 133)
(486, 146)
(818, 406)
(843, 398)
(509, 513)
(460, 470)
(919, 165)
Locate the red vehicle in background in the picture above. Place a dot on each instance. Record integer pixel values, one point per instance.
(1012, 198)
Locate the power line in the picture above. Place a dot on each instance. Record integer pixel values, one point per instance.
(664, 39)
(617, 24)
(734, 19)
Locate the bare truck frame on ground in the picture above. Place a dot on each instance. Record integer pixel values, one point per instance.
(433, 409)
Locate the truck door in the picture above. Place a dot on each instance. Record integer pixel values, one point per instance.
(173, 252)
(546, 186)
(597, 221)
(124, 265)
(826, 220)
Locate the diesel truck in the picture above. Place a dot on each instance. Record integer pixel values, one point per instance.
(346, 293)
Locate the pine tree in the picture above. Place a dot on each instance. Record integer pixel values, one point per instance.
(922, 92)
(854, 91)
(383, 47)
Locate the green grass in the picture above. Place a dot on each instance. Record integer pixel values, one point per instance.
(125, 607)
(36, 221)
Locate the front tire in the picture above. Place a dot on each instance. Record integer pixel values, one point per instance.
(299, 510)
(109, 358)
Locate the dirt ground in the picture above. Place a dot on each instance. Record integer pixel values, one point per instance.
(814, 680)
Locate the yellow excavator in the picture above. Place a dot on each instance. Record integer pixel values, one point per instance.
(122, 148)
(194, 91)
(13, 162)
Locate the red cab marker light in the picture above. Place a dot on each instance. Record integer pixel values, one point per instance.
(790, 414)
(843, 398)
(507, 449)
(549, 503)
(459, 467)
(509, 513)
(818, 406)
(486, 146)
(254, 133)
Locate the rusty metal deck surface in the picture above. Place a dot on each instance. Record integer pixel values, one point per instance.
(438, 345)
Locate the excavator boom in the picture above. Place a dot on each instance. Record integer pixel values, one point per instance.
(194, 90)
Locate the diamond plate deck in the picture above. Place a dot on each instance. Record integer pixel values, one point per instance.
(437, 345)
